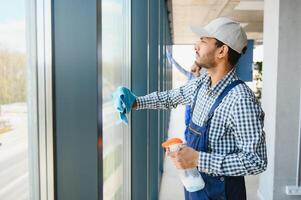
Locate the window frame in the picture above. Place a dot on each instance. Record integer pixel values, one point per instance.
(40, 104)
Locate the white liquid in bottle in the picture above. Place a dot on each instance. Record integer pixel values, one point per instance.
(191, 178)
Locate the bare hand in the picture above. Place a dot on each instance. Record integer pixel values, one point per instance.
(185, 158)
(134, 105)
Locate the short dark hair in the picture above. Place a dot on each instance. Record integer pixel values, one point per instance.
(233, 56)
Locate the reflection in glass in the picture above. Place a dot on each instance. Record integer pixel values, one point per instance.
(14, 177)
(114, 54)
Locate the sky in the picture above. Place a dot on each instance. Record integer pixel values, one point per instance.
(12, 25)
(112, 28)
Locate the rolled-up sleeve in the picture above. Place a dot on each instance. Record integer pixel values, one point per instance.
(247, 121)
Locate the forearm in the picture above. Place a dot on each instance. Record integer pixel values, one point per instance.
(237, 164)
(168, 99)
(161, 100)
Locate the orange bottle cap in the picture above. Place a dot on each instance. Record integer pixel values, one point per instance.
(171, 141)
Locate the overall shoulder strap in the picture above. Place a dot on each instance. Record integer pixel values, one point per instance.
(195, 98)
(221, 97)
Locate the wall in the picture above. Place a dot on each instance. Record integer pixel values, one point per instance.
(281, 95)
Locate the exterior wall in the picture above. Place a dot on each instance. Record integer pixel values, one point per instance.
(281, 95)
(84, 75)
(75, 100)
(150, 33)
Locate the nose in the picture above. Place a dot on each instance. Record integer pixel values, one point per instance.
(196, 46)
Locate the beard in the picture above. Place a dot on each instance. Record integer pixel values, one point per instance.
(206, 61)
(207, 64)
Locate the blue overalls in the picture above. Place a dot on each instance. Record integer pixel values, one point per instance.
(187, 113)
(187, 120)
(216, 187)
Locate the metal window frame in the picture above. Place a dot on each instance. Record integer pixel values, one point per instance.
(126, 80)
(39, 43)
(127, 130)
(99, 99)
(146, 148)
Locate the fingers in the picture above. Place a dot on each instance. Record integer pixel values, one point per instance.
(176, 159)
(179, 163)
(175, 153)
(172, 154)
(186, 157)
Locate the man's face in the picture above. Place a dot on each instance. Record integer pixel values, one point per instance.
(205, 52)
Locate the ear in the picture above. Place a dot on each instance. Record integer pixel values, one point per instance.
(223, 51)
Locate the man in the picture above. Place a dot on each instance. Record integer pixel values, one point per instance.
(195, 71)
(226, 140)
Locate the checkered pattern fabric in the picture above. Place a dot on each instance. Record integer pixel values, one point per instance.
(236, 144)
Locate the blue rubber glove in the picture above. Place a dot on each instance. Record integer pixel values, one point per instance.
(169, 56)
(123, 102)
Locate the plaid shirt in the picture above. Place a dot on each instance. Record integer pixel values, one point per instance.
(236, 145)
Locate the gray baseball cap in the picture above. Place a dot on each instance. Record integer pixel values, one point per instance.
(225, 30)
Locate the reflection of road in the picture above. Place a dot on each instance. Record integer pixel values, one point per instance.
(112, 129)
(113, 135)
(14, 181)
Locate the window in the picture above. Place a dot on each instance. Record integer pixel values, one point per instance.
(14, 154)
(116, 71)
(26, 165)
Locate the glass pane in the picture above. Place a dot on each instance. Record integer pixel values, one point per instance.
(115, 54)
(14, 173)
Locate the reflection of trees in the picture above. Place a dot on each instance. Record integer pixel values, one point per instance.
(12, 77)
(111, 78)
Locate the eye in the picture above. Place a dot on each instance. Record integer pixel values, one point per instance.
(203, 40)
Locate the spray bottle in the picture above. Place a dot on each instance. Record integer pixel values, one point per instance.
(191, 178)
